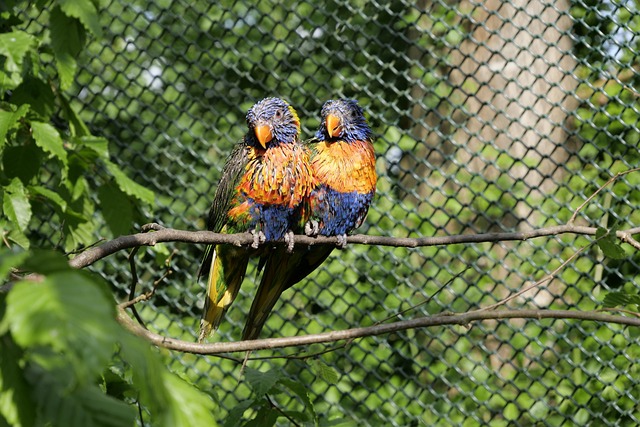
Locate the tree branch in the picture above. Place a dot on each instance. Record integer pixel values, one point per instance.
(163, 235)
(422, 322)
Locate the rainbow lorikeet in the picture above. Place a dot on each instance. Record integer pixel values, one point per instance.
(264, 182)
(343, 162)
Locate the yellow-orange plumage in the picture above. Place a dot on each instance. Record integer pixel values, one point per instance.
(345, 167)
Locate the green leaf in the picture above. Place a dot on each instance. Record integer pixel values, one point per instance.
(82, 406)
(37, 95)
(186, 403)
(19, 238)
(76, 224)
(78, 189)
(234, 417)
(46, 262)
(261, 382)
(16, 405)
(22, 161)
(9, 80)
(77, 127)
(48, 194)
(15, 204)
(85, 11)
(104, 410)
(67, 40)
(116, 386)
(98, 145)
(129, 186)
(324, 371)
(48, 138)
(266, 417)
(615, 299)
(608, 243)
(9, 260)
(8, 119)
(69, 312)
(303, 393)
(170, 400)
(116, 209)
(15, 45)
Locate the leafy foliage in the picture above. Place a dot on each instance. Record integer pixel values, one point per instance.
(64, 360)
(608, 242)
(616, 299)
(171, 131)
(48, 159)
(264, 386)
(58, 337)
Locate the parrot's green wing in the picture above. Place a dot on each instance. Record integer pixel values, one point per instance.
(223, 199)
(224, 265)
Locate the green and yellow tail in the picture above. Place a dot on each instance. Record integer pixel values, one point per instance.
(226, 273)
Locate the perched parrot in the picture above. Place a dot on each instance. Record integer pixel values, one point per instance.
(343, 163)
(264, 183)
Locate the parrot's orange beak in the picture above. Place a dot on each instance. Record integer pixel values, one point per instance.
(264, 135)
(334, 125)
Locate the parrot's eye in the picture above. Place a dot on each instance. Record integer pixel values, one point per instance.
(278, 114)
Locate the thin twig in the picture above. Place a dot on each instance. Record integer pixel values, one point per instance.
(545, 279)
(84, 248)
(140, 411)
(277, 408)
(147, 295)
(134, 276)
(134, 282)
(625, 236)
(602, 187)
(4, 239)
(426, 300)
(620, 310)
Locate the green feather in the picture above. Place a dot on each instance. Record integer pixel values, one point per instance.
(225, 266)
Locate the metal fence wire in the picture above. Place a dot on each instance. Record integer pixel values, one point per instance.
(489, 116)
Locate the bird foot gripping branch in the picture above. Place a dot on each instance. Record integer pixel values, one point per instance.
(342, 241)
(290, 240)
(258, 238)
(312, 228)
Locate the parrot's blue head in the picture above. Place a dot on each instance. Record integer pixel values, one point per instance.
(343, 119)
(273, 121)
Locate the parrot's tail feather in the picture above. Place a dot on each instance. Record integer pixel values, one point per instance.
(263, 303)
(225, 277)
(276, 278)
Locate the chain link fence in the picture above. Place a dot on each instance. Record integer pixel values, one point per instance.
(490, 116)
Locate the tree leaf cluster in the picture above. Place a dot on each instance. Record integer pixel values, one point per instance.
(268, 386)
(65, 361)
(50, 163)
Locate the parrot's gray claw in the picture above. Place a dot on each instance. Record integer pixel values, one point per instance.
(289, 240)
(258, 238)
(342, 241)
(311, 228)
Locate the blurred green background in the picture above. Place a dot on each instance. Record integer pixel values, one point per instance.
(490, 116)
